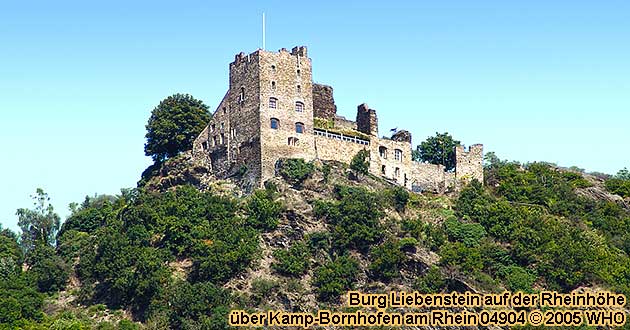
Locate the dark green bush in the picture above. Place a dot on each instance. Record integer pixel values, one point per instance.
(360, 162)
(354, 218)
(295, 171)
(263, 210)
(387, 260)
(293, 261)
(335, 277)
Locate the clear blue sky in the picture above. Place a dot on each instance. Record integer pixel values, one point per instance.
(531, 80)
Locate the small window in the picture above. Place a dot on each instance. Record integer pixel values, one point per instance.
(383, 169)
(275, 123)
(241, 97)
(397, 172)
(273, 103)
(212, 128)
(382, 151)
(292, 141)
(222, 126)
(273, 68)
(299, 89)
(299, 128)
(299, 106)
(398, 154)
(298, 70)
(204, 145)
(224, 110)
(273, 85)
(222, 138)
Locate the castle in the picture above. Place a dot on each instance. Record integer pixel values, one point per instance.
(273, 110)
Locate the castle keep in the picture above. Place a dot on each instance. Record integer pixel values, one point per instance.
(273, 110)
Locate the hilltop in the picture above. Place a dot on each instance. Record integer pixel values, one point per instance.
(184, 248)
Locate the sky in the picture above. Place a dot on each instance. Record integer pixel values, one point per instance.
(531, 80)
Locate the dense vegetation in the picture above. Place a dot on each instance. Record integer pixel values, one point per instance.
(173, 126)
(438, 149)
(183, 258)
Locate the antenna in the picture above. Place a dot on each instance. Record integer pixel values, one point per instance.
(263, 31)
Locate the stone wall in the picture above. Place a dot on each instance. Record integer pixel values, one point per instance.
(341, 122)
(366, 120)
(469, 164)
(323, 102)
(290, 73)
(240, 141)
(334, 149)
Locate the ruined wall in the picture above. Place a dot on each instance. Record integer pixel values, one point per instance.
(367, 121)
(428, 177)
(287, 78)
(468, 164)
(341, 122)
(323, 102)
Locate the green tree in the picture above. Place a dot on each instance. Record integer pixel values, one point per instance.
(39, 225)
(438, 149)
(335, 277)
(173, 126)
(360, 162)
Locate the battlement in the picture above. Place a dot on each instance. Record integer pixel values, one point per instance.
(273, 110)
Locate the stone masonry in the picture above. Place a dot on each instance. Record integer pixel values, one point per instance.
(273, 110)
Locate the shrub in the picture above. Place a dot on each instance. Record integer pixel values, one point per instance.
(360, 163)
(335, 277)
(468, 233)
(354, 218)
(292, 262)
(263, 210)
(387, 260)
(295, 171)
(431, 282)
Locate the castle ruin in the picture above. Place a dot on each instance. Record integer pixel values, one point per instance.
(273, 110)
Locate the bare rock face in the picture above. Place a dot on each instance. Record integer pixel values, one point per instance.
(180, 170)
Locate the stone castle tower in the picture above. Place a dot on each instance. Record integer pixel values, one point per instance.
(273, 110)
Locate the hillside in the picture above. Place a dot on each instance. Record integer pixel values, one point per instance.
(183, 249)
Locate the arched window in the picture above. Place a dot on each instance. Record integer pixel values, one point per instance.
(242, 95)
(273, 103)
(275, 123)
(273, 68)
(299, 106)
(273, 85)
(299, 89)
(292, 141)
(299, 127)
(382, 151)
(298, 72)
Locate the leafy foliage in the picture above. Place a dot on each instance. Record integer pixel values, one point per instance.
(335, 277)
(354, 217)
(387, 260)
(263, 210)
(620, 184)
(438, 149)
(173, 126)
(292, 262)
(360, 162)
(296, 171)
(39, 225)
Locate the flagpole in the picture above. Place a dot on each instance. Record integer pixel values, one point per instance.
(263, 31)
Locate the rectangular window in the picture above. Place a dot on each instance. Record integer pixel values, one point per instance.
(398, 154)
